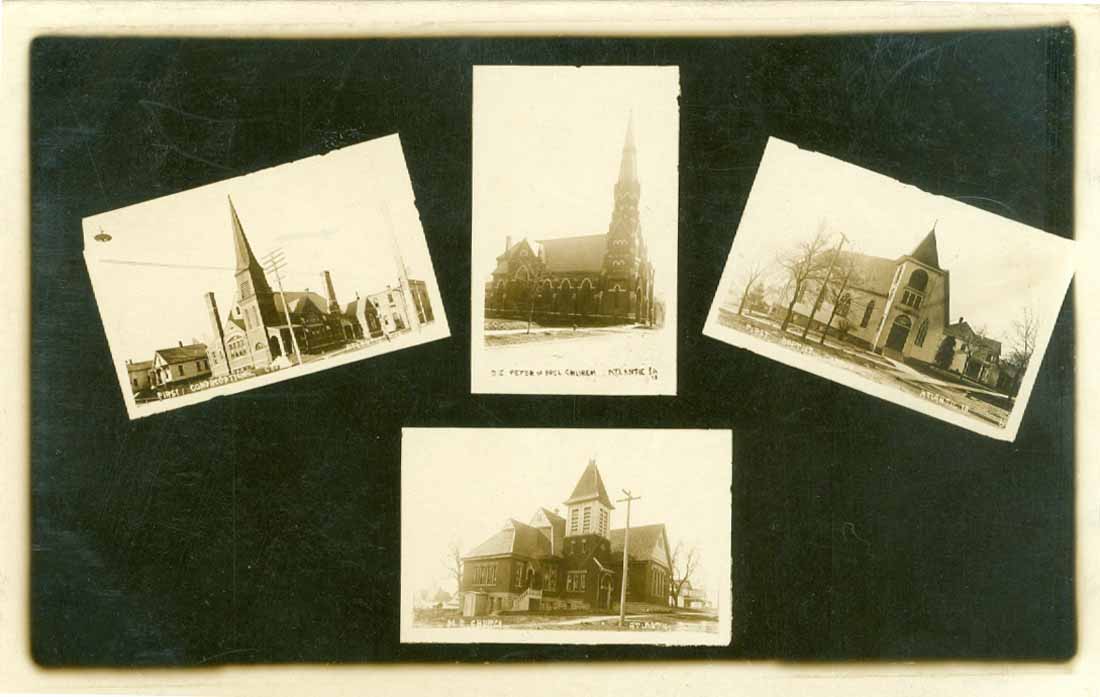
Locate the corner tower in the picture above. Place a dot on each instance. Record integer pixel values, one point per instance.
(625, 259)
(917, 307)
(255, 306)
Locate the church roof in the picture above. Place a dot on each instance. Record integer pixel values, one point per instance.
(515, 538)
(590, 486)
(297, 300)
(182, 354)
(926, 252)
(873, 274)
(647, 542)
(567, 254)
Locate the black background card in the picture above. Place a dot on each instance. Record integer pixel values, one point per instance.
(264, 526)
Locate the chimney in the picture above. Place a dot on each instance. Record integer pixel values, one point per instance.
(333, 306)
(180, 343)
(507, 243)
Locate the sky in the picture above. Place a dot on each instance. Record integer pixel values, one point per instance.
(325, 212)
(547, 144)
(997, 266)
(683, 478)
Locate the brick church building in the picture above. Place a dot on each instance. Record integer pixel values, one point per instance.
(589, 279)
(567, 562)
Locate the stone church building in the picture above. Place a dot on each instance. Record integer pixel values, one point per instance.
(897, 307)
(588, 279)
(567, 562)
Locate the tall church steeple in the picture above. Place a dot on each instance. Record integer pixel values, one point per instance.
(628, 165)
(624, 232)
(251, 279)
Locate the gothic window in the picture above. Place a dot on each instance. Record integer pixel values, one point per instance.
(922, 332)
(586, 283)
(867, 313)
(522, 274)
(566, 285)
(918, 280)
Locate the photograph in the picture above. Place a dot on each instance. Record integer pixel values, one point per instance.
(574, 230)
(529, 537)
(919, 299)
(264, 277)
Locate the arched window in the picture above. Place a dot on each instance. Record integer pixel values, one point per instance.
(586, 283)
(867, 314)
(918, 280)
(565, 284)
(522, 274)
(922, 332)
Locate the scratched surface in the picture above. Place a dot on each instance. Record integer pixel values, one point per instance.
(264, 526)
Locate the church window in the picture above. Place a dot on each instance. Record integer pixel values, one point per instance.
(550, 580)
(246, 288)
(584, 546)
(587, 519)
(922, 332)
(867, 313)
(911, 299)
(918, 280)
(603, 522)
(574, 516)
(575, 581)
(518, 581)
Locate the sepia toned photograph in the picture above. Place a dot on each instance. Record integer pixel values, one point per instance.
(574, 230)
(264, 277)
(919, 299)
(566, 536)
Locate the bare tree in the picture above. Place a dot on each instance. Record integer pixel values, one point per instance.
(1025, 332)
(839, 295)
(803, 263)
(454, 563)
(684, 562)
(751, 279)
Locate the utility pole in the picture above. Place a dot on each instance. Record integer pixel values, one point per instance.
(402, 273)
(273, 263)
(824, 286)
(626, 546)
(839, 299)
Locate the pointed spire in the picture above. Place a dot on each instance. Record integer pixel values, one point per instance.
(628, 168)
(245, 258)
(926, 252)
(590, 486)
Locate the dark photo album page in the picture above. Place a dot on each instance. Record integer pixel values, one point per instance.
(552, 349)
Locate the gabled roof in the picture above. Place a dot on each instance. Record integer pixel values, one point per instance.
(590, 486)
(872, 274)
(139, 365)
(551, 526)
(182, 354)
(647, 542)
(926, 252)
(515, 538)
(964, 331)
(297, 301)
(567, 254)
(352, 309)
